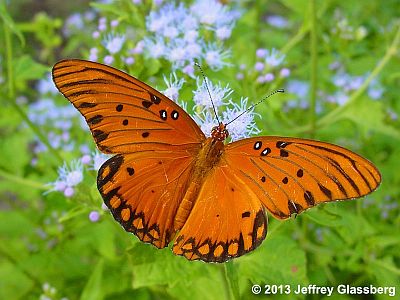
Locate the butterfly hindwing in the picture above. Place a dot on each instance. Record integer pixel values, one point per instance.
(143, 191)
(290, 175)
(124, 114)
(227, 220)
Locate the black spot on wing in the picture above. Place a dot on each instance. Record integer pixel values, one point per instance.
(284, 153)
(163, 114)
(281, 144)
(147, 104)
(257, 145)
(308, 196)
(95, 120)
(119, 107)
(327, 192)
(87, 105)
(99, 135)
(155, 99)
(246, 214)
(130, 171)
(266, 151)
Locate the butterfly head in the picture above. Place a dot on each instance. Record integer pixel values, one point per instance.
(219, 132)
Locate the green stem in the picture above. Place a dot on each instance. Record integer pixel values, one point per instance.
(302, 31)
(314, 64)
(11, 93)
(225, 281)
(21, 180)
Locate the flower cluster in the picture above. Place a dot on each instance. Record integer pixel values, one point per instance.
(299, 90)
(50, 293)
(345, 31)
(204, 114)
(69, 176)
(178, 33)
(343, 83)
(346, 84)
(268, 66)
(112, 39)
(55, 121)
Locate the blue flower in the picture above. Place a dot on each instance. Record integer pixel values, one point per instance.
(215, 56)
(98, 159)
(69, 176)
(206, 120)
(273, 57)
(114, 43)
(46, 85)
(245, 125)
(218, 94)
(277, 21)
(173, 86)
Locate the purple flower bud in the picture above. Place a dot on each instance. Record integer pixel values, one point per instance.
(269, 77)
(94, 216)
(259, 66)
(86, 159)
(285, 72)
(261, 52)
(69, 192)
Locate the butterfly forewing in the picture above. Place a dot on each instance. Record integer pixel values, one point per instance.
(124, 114)
(290, 175)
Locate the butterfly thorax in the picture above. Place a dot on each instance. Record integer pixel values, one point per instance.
(219, 132)
(209, 156)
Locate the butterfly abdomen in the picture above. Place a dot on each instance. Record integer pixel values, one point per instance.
(208, 157)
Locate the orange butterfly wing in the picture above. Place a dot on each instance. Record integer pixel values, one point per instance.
(156, 142)
(290, 175)
(143, 191)
(227, 220)
(124, 114)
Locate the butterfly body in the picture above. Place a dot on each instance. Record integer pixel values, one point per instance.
(168, 183)
(207, 158)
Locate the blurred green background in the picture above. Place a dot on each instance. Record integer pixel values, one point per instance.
(337, 60)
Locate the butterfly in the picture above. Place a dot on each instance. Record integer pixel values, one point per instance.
(168, 182)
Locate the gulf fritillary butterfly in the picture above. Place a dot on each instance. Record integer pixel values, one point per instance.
(168, 182)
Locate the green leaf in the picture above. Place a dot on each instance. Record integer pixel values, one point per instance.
(298, 6)
(279, 260)
(154, 267)
(324, 216)
(14, 284)
(93, 287)
(28, 69)
(370, 116)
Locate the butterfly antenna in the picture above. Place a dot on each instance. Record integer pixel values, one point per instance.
(208, 90)
(255, 104)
